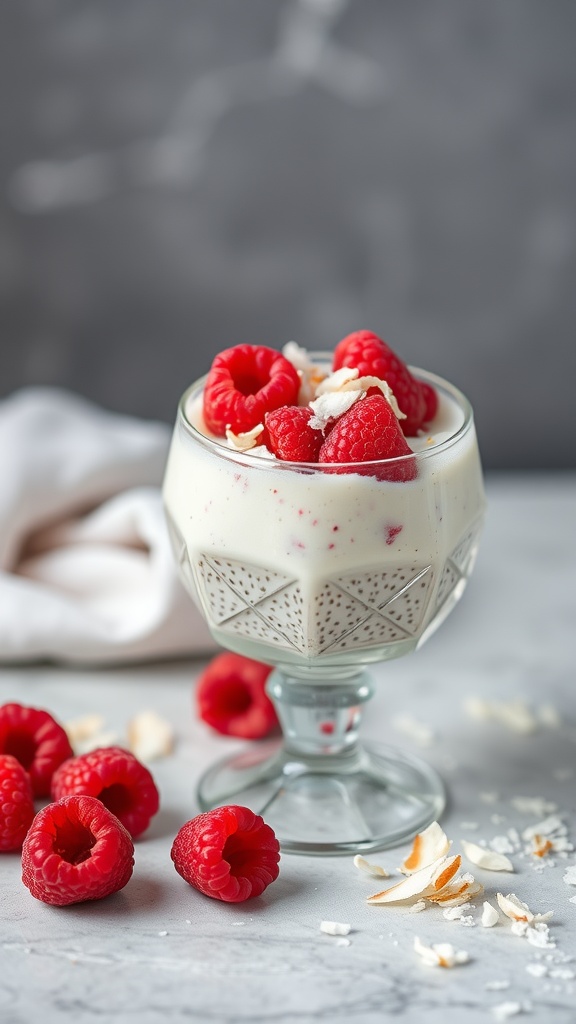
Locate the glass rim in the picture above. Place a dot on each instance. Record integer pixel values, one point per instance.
(222, 450)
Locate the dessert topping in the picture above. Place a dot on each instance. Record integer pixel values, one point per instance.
(243, 384)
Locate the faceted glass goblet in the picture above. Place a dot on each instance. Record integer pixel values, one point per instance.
(319, 571)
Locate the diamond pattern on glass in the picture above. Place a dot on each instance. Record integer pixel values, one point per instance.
(354, 611)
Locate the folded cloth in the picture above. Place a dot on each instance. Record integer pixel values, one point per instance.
(87, 575)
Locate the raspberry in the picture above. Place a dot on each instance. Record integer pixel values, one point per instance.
(243, 384)
(230, 697)
(36, 740)
(289, 436)
(76, 850)
(367, 432)
(373, 357)
(117, 779)
(228, 853)
(16, 804)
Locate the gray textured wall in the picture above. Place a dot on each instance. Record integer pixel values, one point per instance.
(177, 176)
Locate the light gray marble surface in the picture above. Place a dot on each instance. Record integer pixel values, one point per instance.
(159, 951)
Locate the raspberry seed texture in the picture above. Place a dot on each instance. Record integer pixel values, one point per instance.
(16, 803)
(76, 850)
(229, 853)
(231, 697)
(117, 778)
(36, 740)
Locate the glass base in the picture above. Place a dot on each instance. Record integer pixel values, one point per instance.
(370, 797)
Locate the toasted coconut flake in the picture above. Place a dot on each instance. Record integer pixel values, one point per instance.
(310, 374)
(421, 883)
(490, 915)
(335, 928)
(460, 890)
(375, 870)
(441, 954)
(541, 845)
(150, 736)
(428, 846)
(513, 908)
(489, 860)
(245, 441)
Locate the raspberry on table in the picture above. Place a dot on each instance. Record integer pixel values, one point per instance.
(117, 778)
(231, 697)
(16, 803)
(373, 357)
(243, 384)
(289, 434)
(76, 850)
(370, 431)
(36, 740)
(229, 853)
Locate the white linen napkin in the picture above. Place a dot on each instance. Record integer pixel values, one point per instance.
(87, 574)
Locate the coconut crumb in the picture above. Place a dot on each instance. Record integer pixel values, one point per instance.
(514, 715)
(490, 915)
(533, 805)
(570, 878)
(335, 928)
(503, 1011)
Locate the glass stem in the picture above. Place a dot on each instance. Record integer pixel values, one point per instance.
(319, 720)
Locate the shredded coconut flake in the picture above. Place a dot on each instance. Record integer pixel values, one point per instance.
(330, 406)
(533, 805)
(490, 860)
(514, 714)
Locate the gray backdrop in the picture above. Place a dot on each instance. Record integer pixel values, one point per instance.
(177, 176)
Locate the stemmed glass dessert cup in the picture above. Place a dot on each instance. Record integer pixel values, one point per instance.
(320, 571)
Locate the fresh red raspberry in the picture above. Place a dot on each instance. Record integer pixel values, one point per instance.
(16, 803)
(76, 850)
(373, 357)
(228, 853)
(289, 435)
(116, 778)
(367, 432)
(231, 697)
(36, 740)
(243, 384)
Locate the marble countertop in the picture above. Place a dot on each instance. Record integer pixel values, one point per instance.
(160, 951)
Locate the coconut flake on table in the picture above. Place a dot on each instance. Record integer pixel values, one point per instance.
(503, 1011)
(366, 866)
(83, 732)
(533, 805)
(514, 714)
(490, 915)
(570, 877)
(150, 736)
(335, 928)
(489, 860)
(441, 954)
(427, 847)
(415, 730)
